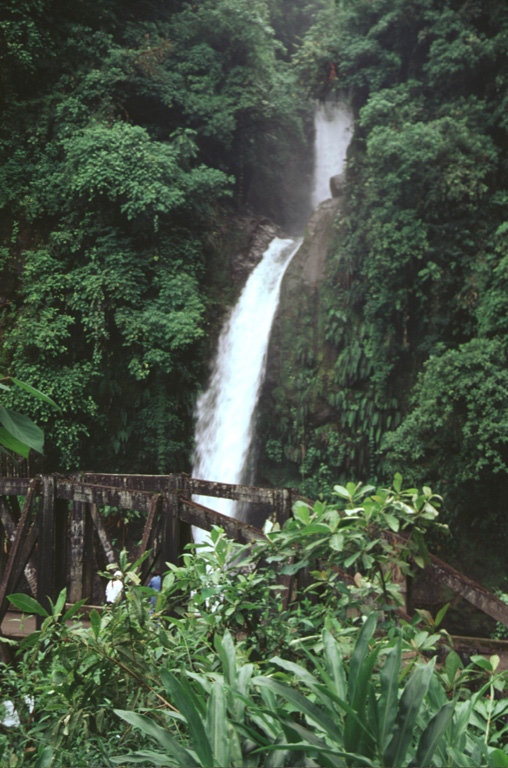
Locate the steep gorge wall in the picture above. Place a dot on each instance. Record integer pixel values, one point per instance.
(294, 415)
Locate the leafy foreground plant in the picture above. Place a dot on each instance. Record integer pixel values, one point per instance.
(229, 671)
(18, 433)
(341, 714)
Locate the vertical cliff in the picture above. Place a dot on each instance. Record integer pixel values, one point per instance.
(295, 420)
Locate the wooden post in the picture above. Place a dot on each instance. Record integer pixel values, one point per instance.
(61, 543)
(8, 523)
(149, 540)
(185, 530)
(46, 554)
(283, 505)
(171, 509)
(12, 569)
(81, 553)
(150, 524)
(76, 552)
(107, 547)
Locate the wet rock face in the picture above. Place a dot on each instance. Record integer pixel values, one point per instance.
(298, 348)
(296, 315)
(337, 185)
(259, 232)
(307, 269)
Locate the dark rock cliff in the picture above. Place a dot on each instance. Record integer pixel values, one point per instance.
(258, 232)
(293, 410)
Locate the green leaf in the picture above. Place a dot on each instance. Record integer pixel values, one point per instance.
(304, 705)
(22, 429)
(95, 622)
(74, 609)
(358, 730)
(397, 482)
(298, 671)
(342, 492)
(498, 759)
(302, 513)
(30, 640)
(393, 522)
(441, 614)
(409, 706)
(10, 442)
(337, 542)
(60, 603)
(27, 604)
(144, 757)
(45, 758)
(216, 725)
(356, 694)
(351, 559)
(482, 662)
(452, 664)
(387, 704)
(34, 392)
(329, 757)
(226, 650)
(292, 568)
(8, 453)
(186, 704)
(334, 664)
(182, 756)
(433, 733)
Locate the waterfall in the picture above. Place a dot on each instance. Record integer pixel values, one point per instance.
(333, 122)
(225, 411)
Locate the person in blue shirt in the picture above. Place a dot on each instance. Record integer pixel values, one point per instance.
(155, 583)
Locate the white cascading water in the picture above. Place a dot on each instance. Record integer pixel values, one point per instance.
(225, 411)
(333, 124)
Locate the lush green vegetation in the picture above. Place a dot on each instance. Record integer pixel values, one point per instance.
(228, 672)
(133, 134)
(409, 373)
(130, 134)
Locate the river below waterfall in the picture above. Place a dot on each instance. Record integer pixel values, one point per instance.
(225, 410)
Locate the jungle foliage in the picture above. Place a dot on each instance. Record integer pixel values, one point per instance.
(410, 371)
(228, 672)
(130, 133)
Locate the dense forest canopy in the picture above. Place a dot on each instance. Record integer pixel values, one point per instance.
(133, 134)
(411, 373)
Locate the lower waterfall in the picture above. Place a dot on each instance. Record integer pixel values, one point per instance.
(225, 411)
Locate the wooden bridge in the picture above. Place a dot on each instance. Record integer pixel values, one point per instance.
(60, 538)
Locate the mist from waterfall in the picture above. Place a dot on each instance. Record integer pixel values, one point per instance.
(225, 411)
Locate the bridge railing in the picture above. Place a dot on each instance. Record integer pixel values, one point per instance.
(60, 538)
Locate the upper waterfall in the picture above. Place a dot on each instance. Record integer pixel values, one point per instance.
(333, 122)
